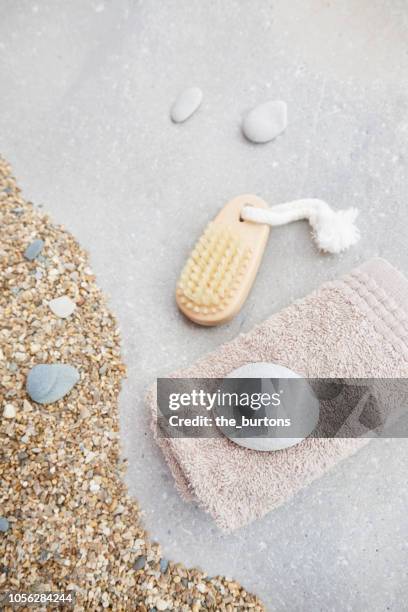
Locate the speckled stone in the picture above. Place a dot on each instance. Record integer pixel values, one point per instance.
(140, 563)
(186, 104)
(34, 249)
(265, 122)
(47, 383)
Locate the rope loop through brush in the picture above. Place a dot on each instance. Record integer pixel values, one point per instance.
(333, 231)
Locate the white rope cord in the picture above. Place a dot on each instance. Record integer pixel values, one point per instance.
(334, 231)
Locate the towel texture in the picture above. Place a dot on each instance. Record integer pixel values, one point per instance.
(356, 326)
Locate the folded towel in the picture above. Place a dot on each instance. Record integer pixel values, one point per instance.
(353, 327)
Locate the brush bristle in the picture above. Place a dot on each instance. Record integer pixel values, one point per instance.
(213, 271)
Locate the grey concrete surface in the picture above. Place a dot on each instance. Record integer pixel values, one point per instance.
(86, 88)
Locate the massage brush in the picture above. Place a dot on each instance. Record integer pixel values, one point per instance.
(222, 267)
(221, 270)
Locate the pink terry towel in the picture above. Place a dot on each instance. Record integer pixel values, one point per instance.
(356, 326)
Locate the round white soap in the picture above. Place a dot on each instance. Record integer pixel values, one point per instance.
(301, 404)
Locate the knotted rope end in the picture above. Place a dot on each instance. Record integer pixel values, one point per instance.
(335, 231)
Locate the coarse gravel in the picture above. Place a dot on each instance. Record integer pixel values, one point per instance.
(71, 524)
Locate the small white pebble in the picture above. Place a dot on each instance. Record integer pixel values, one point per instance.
(89, 457)
(265, 122)
(9, 411)
(84, 412)
(186, 104)
(94, 486)
(27, 406)
(62, 306)
(161, 604)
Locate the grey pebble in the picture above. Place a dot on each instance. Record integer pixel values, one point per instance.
(139, 563)
(45, 555)
(266, 121)
(164, 564)
(34, 249)
(103, 369)
(47, 383)
(4, 524)
(186, 104)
